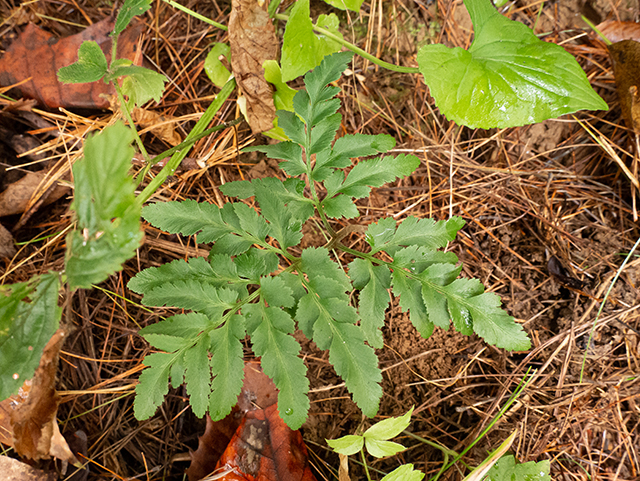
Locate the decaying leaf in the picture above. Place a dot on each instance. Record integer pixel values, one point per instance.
(14, 470)
(35, 432)
(264, 448)
(253, 41)
(617, 31)
(162, 126)
(7, 247)
(258, 391)
(625, 56)
(38, 55)
(16, 198)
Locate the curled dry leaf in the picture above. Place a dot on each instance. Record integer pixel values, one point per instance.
(34, 427)
(37, 55)
(253, 41)
(17, 198)
(617, 31)
(625, 56)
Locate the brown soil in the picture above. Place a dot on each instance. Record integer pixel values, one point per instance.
(526, 193)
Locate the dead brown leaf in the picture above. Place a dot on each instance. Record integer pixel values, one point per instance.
(7, 246)
(253, 41)
(14, 470)
(35, 432)
(625, 56)
(16, 198)
(617, 31)
(37, 55)
(162, 126)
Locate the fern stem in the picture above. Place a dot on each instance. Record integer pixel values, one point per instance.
(178, 156)
(364, 463)
(358, 50)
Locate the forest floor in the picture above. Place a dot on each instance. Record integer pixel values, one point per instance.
(531, 196)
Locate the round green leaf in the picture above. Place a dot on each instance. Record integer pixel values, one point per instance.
(215, 69)
(507, 78)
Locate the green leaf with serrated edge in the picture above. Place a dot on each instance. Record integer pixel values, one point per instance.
(140, 84)
(25, 329)
(417, 258)
(388, 428)
(108, 230)
(381, 232)
(176, 371)
(410, 293)
(327, 288)
(270, 328)
(313, 113)
(413, 231)
(375, 173)
(381, 449)
(433, 279)
(192, 295)
(404, 473)
(187, 218)
(460, 314)
(290, 152)
(506, 469)
(373, 282)
(324, 132)
(197, 376)
(129, 9)
(316, 262)
(353, 5)
(90, 67)
(251, 221)
(275, 292)
(271, 195)
(347, 445)
(167, 343)
(242, 189)
(340, 206)
(292, 281)
(302, 49)
(197, 269)
(227, 366)
(292, 126)
(256, 263)
(214, 68)
(357, 364)
(330, 69)
(153, 385)
(187, 326)
(348, 147)
(231, 245)
(307, 314)
(508, 77)
(494, 325)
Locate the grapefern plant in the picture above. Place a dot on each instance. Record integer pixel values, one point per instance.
(253, 284)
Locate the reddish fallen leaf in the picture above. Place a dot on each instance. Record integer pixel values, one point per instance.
(36, 54)
(253, 41)
(18, 197)
(264, 448)
(33, 423)
(617, 31)
(258, 391)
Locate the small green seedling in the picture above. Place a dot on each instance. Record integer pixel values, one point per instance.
(376, 442)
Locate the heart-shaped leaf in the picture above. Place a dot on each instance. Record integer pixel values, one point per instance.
(508, 77)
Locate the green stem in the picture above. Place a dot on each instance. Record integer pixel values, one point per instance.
(353, 48)
(364, 463)
(196, 15)
(127, 115)
(178, 156)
